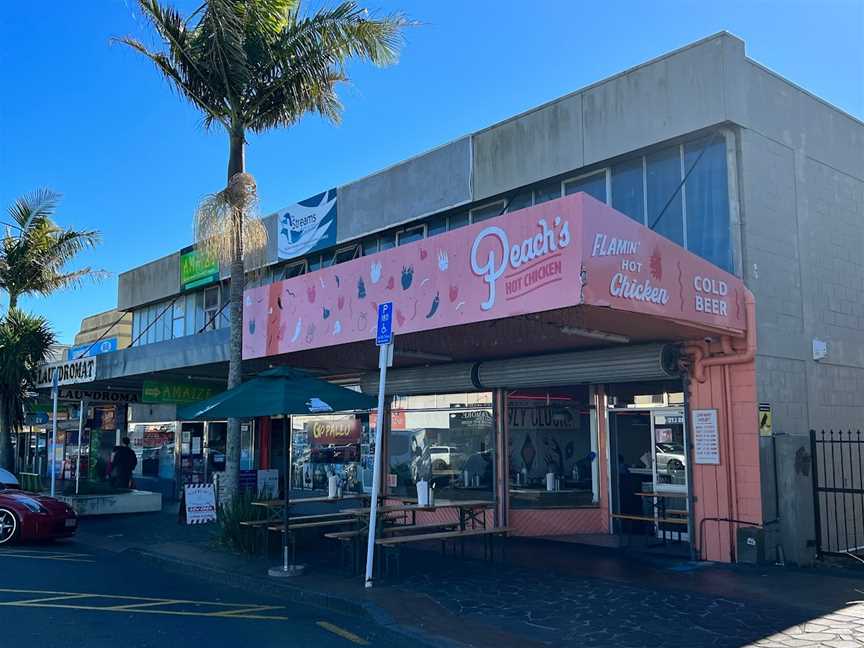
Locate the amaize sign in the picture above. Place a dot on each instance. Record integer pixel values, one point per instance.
(164, 392)
(71, 372)
(197, 269)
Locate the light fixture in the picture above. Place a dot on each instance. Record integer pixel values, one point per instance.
(594, 334)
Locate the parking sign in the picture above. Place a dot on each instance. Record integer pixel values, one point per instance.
(384, 330)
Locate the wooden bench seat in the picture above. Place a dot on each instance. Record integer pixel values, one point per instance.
(311, 525)
(399, 528)
(648, 518)
(444, 535)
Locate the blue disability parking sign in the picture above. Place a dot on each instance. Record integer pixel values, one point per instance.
(384, 331)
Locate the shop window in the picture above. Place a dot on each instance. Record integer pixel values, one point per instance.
(707, 194)
(593, 184)
(646, 394)
(153, 444)
(455, 221)
(520, 200)
(210, 301)
(411, 235)
(547, 191)
(178, 319)
(447, 440)
(486, 212)
(217, 436)
(662, 180)
(552, 448)
(328, 446)
(628, 189)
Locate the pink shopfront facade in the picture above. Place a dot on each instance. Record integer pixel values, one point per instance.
(592, 378)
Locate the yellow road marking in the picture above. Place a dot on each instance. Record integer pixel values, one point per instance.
(223, 610)
(345, 634)
(40, 556)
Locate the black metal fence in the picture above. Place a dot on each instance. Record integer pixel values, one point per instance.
(838, 490)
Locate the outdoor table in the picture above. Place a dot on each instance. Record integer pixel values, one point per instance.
(275, 506)
(469, 510)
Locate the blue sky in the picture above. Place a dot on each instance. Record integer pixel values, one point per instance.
(93, 120)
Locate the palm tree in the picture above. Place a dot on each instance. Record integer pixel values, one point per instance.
(250, 66)
(35, 251)
(25, 341)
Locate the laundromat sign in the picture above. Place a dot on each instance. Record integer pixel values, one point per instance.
(562, 253)
(71, 372)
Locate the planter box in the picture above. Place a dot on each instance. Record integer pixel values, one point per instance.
(133, 502)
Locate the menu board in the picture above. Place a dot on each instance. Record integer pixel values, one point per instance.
(706, 439)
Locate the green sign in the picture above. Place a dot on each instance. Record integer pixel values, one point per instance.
(162, 392)
(197, 269)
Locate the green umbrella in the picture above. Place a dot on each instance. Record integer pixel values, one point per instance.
(282, 390)
(273, 392)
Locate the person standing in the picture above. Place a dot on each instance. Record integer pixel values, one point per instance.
(123, 462)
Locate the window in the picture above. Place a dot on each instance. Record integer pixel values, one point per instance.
(447, 440)
(346, 254)
(552, 461)
(179, 317)
(707, 195)
(136, 326)
(153, 443)
(486, 212)
(370, 245)
(593, 184)
(387, 242)
(628, 185)
(411, 234)
(294, 269)
(436, 225)
(315, 262)
(547, 191)
(663, 175)
(327, 446)
(520, 200)
(455, 221)
(211, 307)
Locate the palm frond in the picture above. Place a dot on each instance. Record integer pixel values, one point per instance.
(35, 206)
(227, 224)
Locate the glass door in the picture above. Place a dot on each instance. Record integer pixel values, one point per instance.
(670, 472)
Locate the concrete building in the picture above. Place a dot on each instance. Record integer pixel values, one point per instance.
(703, 145)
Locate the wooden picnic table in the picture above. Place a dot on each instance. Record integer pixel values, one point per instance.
(469, 510)
(274, 507)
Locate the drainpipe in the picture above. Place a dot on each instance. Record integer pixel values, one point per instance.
(701, 361)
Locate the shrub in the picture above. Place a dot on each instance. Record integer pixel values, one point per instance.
(229, 533)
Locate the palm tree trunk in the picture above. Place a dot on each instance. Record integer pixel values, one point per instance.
(13, 300)
(236, 164)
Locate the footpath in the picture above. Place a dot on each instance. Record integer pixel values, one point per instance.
(546, 594)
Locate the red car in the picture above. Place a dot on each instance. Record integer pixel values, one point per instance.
(28, 516)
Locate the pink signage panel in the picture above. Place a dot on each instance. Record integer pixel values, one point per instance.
(629, 267)
(532, 260)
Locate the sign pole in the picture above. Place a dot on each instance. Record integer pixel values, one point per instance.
(80, 434)
(384, 339)
(55, 392)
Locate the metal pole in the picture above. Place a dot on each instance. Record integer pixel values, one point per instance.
(56, 395)
(287, 569)
(383, 353)
(80, 434)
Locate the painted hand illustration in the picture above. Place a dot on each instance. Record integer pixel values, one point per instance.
(443, 260)
(454, 293)
(423, 254)
(400, 318)
(321, 281)
(340, 302)
(407, 277)
(297, 329)
(375, 272)
(325, 312)
(361, 289)
(337, 327)
(390, 283)
(338, 281)
(310, 334)
(310, 293)
(252, 327)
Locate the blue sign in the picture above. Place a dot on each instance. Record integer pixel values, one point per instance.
(384, 330)
(308, 226)
(36, 418)
(90, 349)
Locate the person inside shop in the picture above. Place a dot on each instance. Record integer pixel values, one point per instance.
(123, 462)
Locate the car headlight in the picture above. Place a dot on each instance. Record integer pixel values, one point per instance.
(32, 505)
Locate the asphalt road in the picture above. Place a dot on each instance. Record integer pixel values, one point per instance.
(66, 594)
